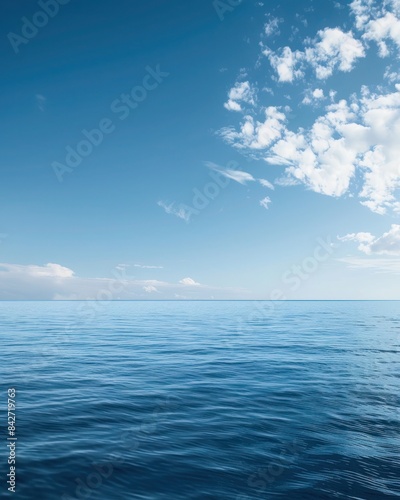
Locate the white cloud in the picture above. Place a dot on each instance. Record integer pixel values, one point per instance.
(257, 135)
(265, 202)
(391, 75)
(315, 96)
(241, 92)
(379, 146)
(316, 157)
(383, 29)
(387, 244)
(358, 137)
(188, 282)
(364, 240)
(318, 94)
(338, 5)
(181, 211)
(235, 175)
(122, 267)
(240, 176)
(271, 27)
(332, 49)
(391, 266)
(140, 266)
(352, 148)
(286, 63)
(266, 184)
(379, 20)
(47, 271)
(361, 10)
(56, 282)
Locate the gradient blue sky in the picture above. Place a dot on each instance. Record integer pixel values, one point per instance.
(289, 109)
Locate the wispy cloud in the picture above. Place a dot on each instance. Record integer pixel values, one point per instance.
(266, 184)
(40, 101)
(375, 264)
(179, 211)
(141, 266)
(242, 92)
(265, 202)
(47, 271)
(235, 175)
(189, 282)
(122, 267)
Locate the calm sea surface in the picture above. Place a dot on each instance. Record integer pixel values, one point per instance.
(202, 400)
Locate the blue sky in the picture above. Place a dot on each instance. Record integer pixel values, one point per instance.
(238, 150)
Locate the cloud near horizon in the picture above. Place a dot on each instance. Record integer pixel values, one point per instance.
(189, 282)
(56, 282)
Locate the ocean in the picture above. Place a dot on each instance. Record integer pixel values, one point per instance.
(201, 400)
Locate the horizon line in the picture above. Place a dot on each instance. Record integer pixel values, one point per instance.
(200, 300)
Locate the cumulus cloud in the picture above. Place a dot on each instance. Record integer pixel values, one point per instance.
(391, 75)
(242, 92)
(150, 289)
(318, 94)
(314, 96)
(286, 63)
(254, 134)
(351, 147)
(356, 137)
(331, 49)
(379, 21)
(383, 29)
(271, 27)
(387, 244)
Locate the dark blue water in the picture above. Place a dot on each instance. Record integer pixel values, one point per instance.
(202, 400)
